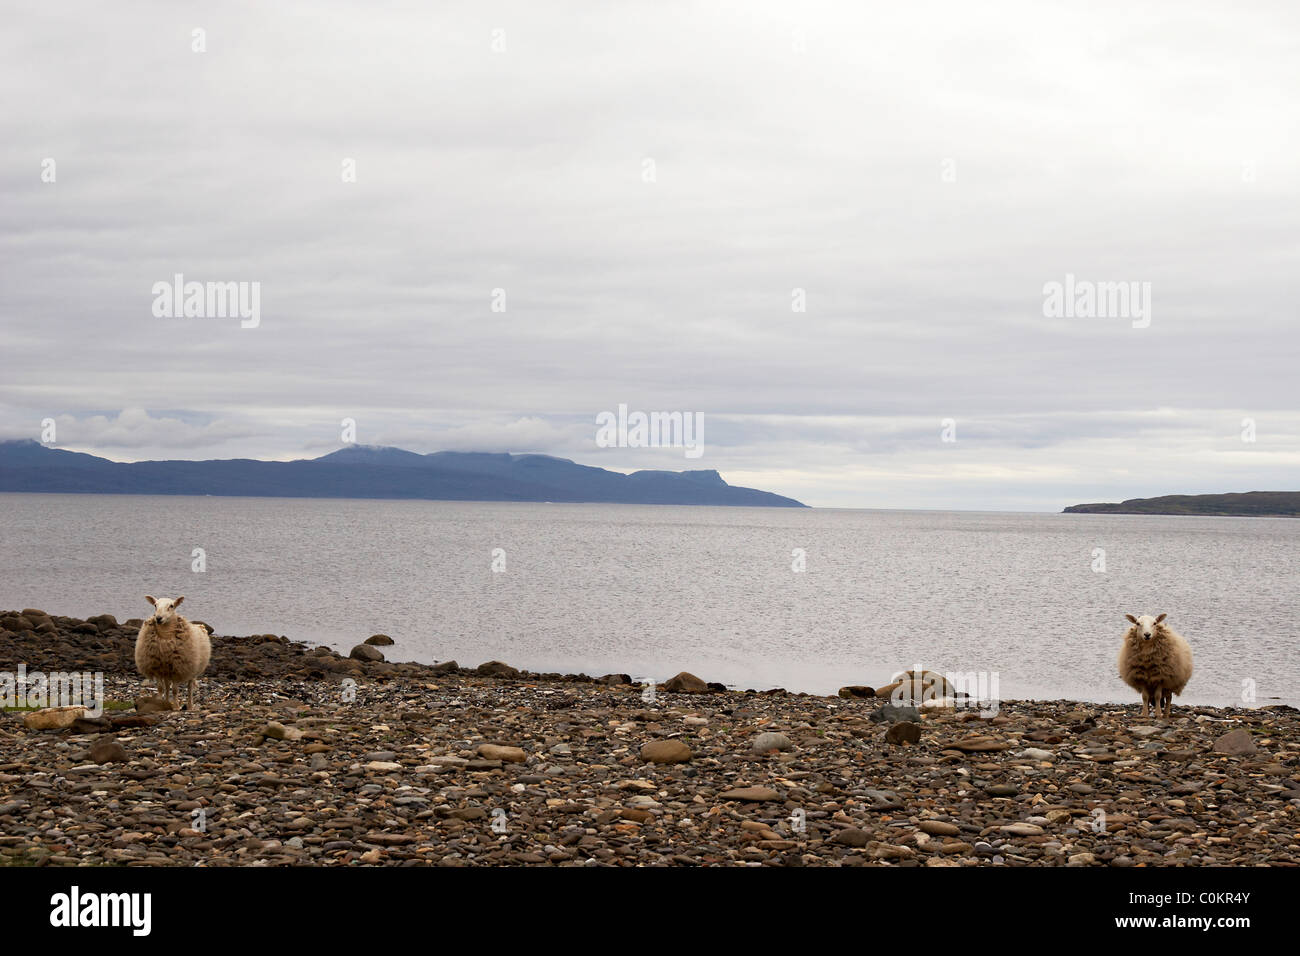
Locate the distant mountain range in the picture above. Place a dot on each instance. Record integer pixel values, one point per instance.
(365, 471)
(1247, 503)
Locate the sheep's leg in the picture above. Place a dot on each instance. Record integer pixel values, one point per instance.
(1157, 695)
(1168, 700)
(1146, 705)
(189, 699)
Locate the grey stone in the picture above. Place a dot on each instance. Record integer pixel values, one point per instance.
(893, 713)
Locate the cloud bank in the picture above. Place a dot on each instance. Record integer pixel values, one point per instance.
(826, 230)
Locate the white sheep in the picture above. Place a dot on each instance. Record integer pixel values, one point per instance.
(1155, 661)
(172, 651)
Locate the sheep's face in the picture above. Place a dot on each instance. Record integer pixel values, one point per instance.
(1146, 627)
(164, 609)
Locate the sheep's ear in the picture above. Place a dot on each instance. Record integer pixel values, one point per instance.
(1161, 618)
(149, 598)
(1131, 618)
(178, 600)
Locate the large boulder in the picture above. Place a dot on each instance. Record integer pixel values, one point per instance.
(278, 731)
(153, 705)
(504, 754)
(53, 718)
(1237, 743)
(666, 751)
(684, 683)
(916, 685)
(893, 713)
(903, 732)
(496, 669)
(107, 751)
(364, 652)
(851, 836)
(771, 740)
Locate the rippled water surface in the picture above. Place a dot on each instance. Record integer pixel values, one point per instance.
(651, 590)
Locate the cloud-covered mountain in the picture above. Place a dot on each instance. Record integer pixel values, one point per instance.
(371, 472)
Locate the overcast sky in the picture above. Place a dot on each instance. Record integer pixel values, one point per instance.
(649, 183)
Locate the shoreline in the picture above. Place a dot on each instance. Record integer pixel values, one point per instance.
(302, 756)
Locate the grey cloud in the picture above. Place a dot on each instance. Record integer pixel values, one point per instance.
(1097, 139)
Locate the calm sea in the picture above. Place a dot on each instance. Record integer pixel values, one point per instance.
(652, 590)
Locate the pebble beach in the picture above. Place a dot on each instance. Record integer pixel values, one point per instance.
(300, 755)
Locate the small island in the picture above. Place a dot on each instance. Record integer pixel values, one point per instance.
(1285, 504)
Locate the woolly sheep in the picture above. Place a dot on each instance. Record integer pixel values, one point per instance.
(172, 651)
(1155, 661)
